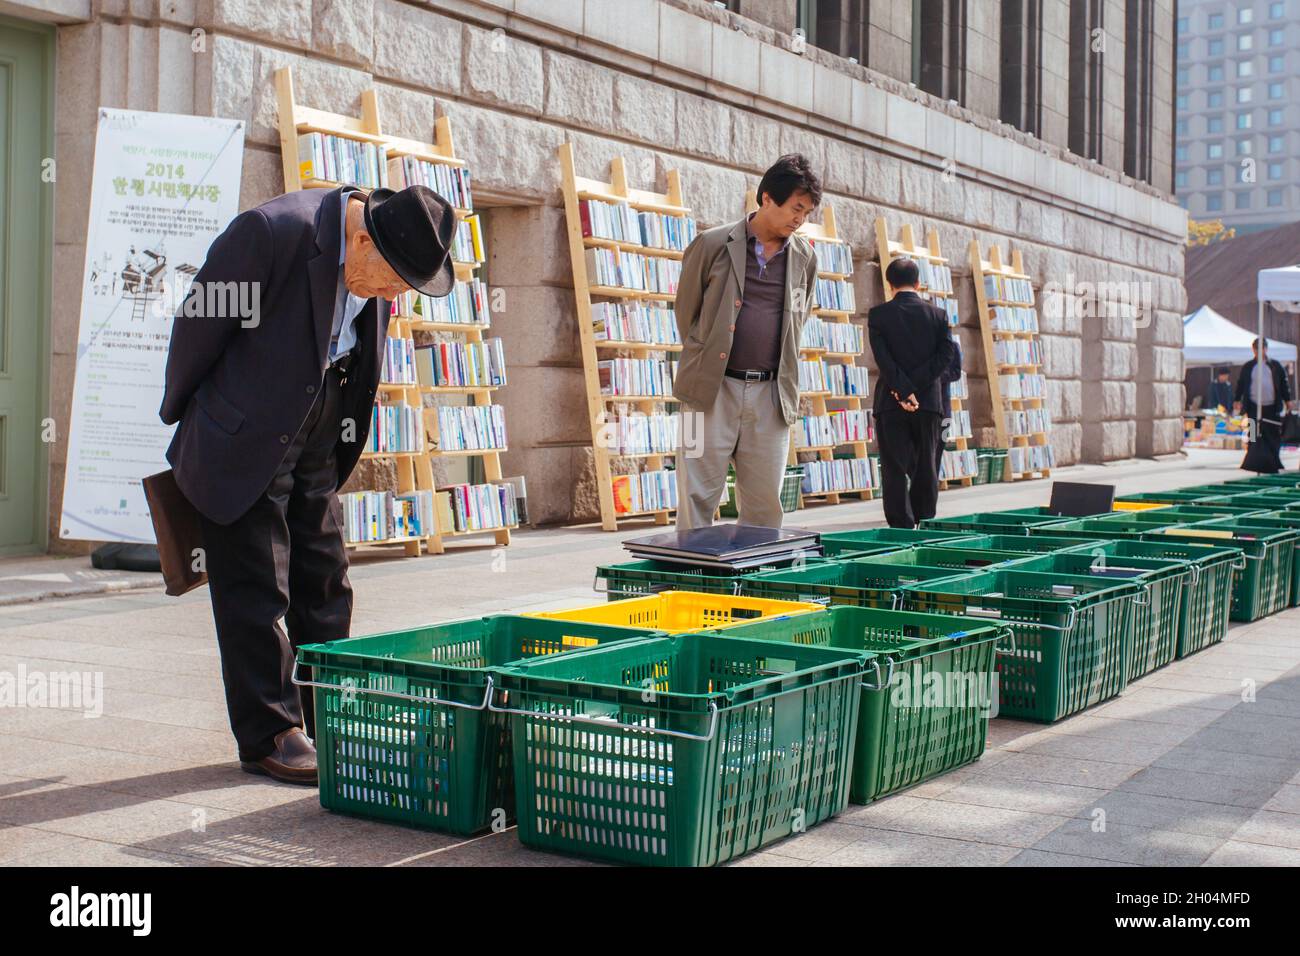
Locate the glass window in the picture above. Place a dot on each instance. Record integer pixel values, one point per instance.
(1276, 10)
(1275, 91)
(1246, 68)
(1216, 21)
(1214, 99)
(1182, 51)
(1182, 24)
(1215, 47)
(1245, 94)
(1245, 147)
(1276, 64)
(1241, 199)
(1214, 124)
(1180, 102)
(1180, 127)
(1275, 197)
(1182, 76)
(1275, 37)
(1215, 73)
(1214, 202)
(1240, 174)
(1180, 179)
(1214, 177)
(1245, 120)
(1274, 171)
(1214, 150)
(1275, 144)
(1246, 41)
(1274, 117)
(1181, 153)
(1245, 15)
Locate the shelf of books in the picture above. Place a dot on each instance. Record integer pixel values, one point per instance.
(959, 465)
(1013, 356)
(626, 246)
(832, 387)
(416, 417)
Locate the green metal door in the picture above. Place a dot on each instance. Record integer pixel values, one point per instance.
(25, 194)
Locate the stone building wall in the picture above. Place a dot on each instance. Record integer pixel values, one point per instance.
(667, 84)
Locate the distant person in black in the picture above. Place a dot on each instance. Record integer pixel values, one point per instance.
(1263, 393)
(1219, 394)
(913, 346)
(949, 375)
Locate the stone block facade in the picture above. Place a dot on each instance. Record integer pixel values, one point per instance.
(666, 84)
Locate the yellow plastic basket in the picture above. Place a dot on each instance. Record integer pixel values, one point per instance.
(679, 611)
(1139, 505)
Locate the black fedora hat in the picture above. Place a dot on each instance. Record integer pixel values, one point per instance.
(413, 230)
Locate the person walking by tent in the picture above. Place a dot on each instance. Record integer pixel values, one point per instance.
(1263, 392)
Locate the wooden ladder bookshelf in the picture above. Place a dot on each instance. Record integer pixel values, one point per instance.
(827, 232)
(616, 191)
(414, 469)
(944, 296)
(987, 273)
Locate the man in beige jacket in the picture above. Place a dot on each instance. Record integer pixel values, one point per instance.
(745, 294)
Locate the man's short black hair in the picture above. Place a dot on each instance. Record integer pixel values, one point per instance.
(789, 174)
(902, 273)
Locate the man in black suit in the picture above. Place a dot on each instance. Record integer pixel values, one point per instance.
(274, 404)
(1264, 393)
(912, 346)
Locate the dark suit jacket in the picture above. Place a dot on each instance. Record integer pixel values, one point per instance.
(241, 389)
(1245, 395)
(947, 377)
(913, 346)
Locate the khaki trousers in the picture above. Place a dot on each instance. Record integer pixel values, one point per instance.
(744, 426)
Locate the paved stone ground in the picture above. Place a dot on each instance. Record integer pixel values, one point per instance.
(1186, 772)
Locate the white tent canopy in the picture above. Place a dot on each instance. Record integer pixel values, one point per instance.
(1210, 339)
(1280, 288)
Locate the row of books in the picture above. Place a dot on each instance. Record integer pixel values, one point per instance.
(832, 336)
(337, 159)
(1023, 385)
(466, 304)
(395, 428)
(467, 244)
(1018, 291)
(1018, 352)
(935, 276)
(450, 182)
(385, 515)
(620, 222)
(399, 362)
(1025, 458)
(1028, 421)
(813, 376)
(958, 464)
(846, 380)
(646, 491)
(478, 507)
(959, 389)
(636, 376)
(835, 294)
(842, 474)
(460, 364)
(959, 425)
(634, 322)
(949, 306)
(1014, 318)
(471, 427)
(837, 428)
(631, 270)
(833, 256)
(634, 433)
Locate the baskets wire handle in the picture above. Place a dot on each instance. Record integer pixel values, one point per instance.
(345, 688)
(613, 724)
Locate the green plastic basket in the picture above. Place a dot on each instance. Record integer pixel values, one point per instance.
(958, 558)
(859, 543)
(1157, 614)
(789, 493)
(638, 578)
(1266, 501)
(402, 729)
(1209, 594)
(1202, 512)
(682, 751)
(1281, 521)
(1071, 634)
(1168, 497)
(1023, 544)
(1264, 587)
(1114, 527)
(992, 522)
(860, 582)
(1282, 479)
(904, 736)
(991, 462)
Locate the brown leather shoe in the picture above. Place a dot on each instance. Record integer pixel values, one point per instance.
(292, 761)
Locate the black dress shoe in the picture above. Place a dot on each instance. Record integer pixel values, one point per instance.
(292, 761)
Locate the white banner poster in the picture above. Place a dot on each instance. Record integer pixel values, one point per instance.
(164, 187)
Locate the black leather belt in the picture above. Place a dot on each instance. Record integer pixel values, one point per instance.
(750, 375)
